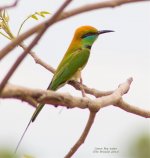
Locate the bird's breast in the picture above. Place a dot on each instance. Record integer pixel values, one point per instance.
(77, 75)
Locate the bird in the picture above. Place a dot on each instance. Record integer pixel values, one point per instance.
(71, 65)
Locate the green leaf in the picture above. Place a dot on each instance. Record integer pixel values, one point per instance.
(37, 13)
(45, 12)
(42, 13)
(34, 17)
(5, 35)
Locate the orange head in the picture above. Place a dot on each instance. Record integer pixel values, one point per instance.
(86, 35)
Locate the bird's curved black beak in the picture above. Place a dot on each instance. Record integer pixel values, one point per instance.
(104, 31)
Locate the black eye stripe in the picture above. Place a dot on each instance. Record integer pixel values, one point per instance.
(88, 34)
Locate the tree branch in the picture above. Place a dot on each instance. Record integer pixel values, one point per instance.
(69, 101)
(64, 15)
(38, 60)
(91, 91)
(9, 6)
(35, 96)
(132, 109)
(95, 6)
(83, 135)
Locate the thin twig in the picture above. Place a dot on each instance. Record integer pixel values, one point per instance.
(32, 44)
(38, 60)
(83, 135)
(64, 15)
(9, 6)
(88, 90)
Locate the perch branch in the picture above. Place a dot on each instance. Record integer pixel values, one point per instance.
(64, 15)
(69, 101)
(59, 99)
(88, 90)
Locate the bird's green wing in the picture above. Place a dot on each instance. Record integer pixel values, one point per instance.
(69, 66)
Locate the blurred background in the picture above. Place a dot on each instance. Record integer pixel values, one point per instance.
(114, 58)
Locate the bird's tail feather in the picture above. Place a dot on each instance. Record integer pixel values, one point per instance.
(23, 135)
(37, 111)
(33, 118)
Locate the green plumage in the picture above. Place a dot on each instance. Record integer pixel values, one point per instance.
(69, 66)
(72, 63)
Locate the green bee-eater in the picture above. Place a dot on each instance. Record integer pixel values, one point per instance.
(73, 62)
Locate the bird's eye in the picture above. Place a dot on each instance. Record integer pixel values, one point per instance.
(88, 34)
